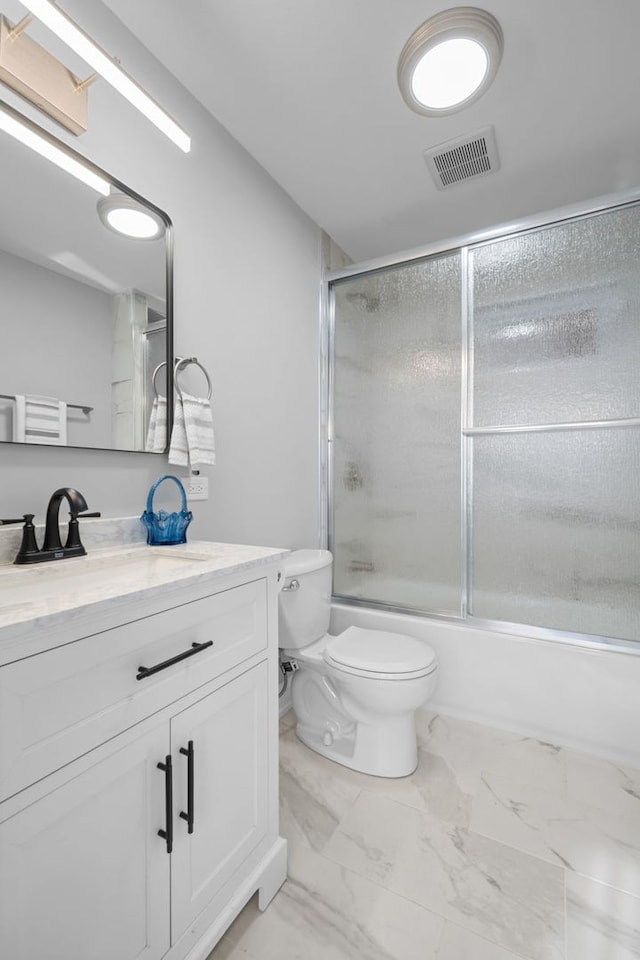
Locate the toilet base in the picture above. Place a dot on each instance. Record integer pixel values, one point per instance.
(385, 749)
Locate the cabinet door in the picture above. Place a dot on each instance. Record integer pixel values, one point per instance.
(83, 873)
(228, 731)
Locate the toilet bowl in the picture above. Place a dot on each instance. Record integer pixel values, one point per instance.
(355, 694)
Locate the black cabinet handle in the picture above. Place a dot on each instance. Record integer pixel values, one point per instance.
(188, 816)
(144, 672)
(167, 833)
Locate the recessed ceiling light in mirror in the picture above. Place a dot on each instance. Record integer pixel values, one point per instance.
(124, 215)
(450, 60)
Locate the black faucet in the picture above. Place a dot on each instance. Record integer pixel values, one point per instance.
(52, 548)
(77, 504)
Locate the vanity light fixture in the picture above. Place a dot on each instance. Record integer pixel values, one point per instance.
(75, 38)
(124, 215)
(31, 136)
(450, 60)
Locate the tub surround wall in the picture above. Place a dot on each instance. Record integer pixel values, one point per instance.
(571, 695)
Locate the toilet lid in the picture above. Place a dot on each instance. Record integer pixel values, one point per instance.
(305, 561)
(376, 652)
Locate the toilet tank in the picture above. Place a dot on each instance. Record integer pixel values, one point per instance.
(304, 610)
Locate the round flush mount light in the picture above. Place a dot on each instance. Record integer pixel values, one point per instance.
(129, 218)
(449, 61)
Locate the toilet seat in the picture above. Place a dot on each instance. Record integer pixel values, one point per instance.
(379, 655)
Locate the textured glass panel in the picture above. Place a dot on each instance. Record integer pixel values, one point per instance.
(556, 323)
(154, 355)
(556, 538)
(396, 450)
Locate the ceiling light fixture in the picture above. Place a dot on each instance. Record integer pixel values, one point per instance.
(450, 60)
(31, 136)
(75, 38)
(124, 215)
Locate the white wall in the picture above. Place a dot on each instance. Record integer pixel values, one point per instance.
(561, 693)
(247, 275)
(60, 347)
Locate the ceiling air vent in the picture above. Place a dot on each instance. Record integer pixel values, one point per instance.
(463, 159)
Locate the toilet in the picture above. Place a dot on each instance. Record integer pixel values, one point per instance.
(354, 695)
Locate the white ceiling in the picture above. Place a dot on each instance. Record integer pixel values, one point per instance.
(309, 88)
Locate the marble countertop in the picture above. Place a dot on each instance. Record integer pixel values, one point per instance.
(50, 595)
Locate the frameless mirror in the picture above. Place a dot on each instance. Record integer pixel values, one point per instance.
(86, 311)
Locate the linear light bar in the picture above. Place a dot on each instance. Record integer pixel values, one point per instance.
(75, 38)
(28, 136)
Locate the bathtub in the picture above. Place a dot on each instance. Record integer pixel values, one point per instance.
(579, 696)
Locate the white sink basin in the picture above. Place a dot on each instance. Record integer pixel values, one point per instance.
(78, 576)
(178, 552)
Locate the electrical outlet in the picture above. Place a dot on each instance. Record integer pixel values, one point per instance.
(197, 488)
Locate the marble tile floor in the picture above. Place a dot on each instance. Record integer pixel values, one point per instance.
(498, 847)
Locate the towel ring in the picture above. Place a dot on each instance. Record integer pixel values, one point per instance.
(176, 371)
(157, 370)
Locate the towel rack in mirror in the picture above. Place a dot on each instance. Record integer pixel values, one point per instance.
(76, 406)
(157, 371)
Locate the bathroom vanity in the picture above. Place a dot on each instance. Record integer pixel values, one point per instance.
(138, 751)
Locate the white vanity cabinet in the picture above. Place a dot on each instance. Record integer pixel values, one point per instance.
(226, 734)
(83, 874)
(139, 815)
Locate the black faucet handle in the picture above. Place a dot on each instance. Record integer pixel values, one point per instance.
(26, 517)
(28, 548)
(73, 537)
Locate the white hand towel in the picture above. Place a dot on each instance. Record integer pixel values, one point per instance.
(157, 430)
(192, 437)
(40, 420)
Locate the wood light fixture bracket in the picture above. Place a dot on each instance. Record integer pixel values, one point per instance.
(40, 78)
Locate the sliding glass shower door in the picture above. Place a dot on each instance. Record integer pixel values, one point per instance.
(396, 531)
(485, 430)
(554, 429)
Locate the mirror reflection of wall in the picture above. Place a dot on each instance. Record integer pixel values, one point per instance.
(83, 307)
(60, 335)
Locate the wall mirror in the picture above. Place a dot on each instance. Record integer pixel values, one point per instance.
(86, 311)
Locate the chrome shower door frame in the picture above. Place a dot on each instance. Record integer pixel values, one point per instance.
(464, 245)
